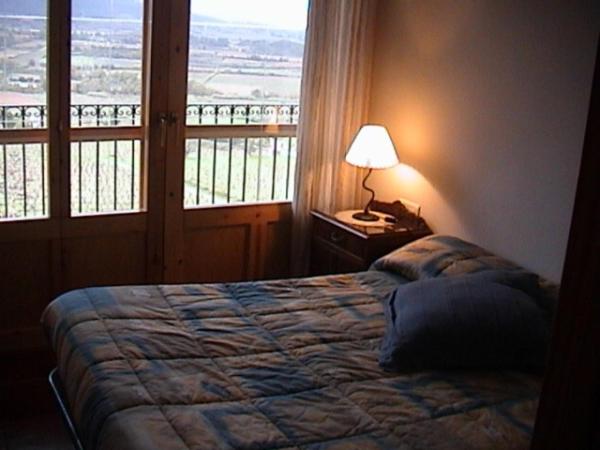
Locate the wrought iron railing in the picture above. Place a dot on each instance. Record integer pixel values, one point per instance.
(22, 116)
(232, 155)
(23, 180)
(238, 170)
(34, 116)
(241, 114)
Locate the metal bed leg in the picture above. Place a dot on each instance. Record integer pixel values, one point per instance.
(58, 392)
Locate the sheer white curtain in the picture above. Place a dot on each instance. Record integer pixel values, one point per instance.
(333, 105)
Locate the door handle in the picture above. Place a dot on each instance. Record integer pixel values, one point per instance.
(165, 119)
(163, 122)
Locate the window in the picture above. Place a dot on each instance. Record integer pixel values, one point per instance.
(106, 90)
(23, 128)
(244, 71)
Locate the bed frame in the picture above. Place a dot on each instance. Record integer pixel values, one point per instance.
(58, 391)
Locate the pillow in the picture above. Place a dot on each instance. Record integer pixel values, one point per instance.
(482, 320)
(437, 255)
(442, 256)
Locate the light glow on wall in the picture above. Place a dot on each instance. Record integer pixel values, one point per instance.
(408, 175)
(404, 181)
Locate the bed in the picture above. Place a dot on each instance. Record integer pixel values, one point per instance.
(285, 364)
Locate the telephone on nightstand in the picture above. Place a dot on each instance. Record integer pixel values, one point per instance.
(401, 214)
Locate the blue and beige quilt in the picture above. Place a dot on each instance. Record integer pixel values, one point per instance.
(289, 364)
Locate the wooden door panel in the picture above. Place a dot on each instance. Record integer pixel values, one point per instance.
(104, 260)
(26, 282)
(230, 243)
(217, 254)
(277, 249)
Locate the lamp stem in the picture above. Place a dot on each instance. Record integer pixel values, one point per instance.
(366, 188)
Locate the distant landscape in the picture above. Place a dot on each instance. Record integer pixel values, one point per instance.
(229, 62)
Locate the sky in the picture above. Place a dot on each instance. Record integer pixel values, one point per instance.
(288, 14)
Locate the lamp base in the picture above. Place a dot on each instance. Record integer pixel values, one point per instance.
(365, 216)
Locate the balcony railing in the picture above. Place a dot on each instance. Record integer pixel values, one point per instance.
(234, 153)
(34, 116)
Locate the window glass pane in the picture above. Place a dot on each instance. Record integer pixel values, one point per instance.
(245, 52)
(106, 63)
(245, 68)
(237, 170)
(22, 64)
(23, 181)
(106, 89)
(105, 176)
(23, 165)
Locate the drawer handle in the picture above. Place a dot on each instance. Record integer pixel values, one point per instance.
(336, 237)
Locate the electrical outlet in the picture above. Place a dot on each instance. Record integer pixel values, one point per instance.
(413, 207)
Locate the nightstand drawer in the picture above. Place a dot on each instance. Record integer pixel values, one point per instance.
(338, 237)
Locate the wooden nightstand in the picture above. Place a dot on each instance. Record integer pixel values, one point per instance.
(338, 247)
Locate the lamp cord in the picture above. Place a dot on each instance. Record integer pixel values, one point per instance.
(364, 185)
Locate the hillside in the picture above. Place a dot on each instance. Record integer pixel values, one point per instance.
(129, 9)
(123, 9)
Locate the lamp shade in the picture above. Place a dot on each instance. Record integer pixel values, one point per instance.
(372, 148)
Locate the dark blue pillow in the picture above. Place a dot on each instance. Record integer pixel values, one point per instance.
(481, 320)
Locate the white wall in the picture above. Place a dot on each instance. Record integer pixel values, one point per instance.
(487, 102)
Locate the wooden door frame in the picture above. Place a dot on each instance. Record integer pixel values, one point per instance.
(176, 92)
(46, 230)
(157, 79)
(569, 409)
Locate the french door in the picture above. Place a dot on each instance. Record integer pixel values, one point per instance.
(220, 154)
(148, 185)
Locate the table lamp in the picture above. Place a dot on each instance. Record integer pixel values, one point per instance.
(371, 148)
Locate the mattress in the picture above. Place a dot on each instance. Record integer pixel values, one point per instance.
(266, 365)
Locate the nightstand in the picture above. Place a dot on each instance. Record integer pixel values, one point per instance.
(338, 247)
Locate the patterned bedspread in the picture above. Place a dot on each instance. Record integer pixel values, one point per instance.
(266, 365)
